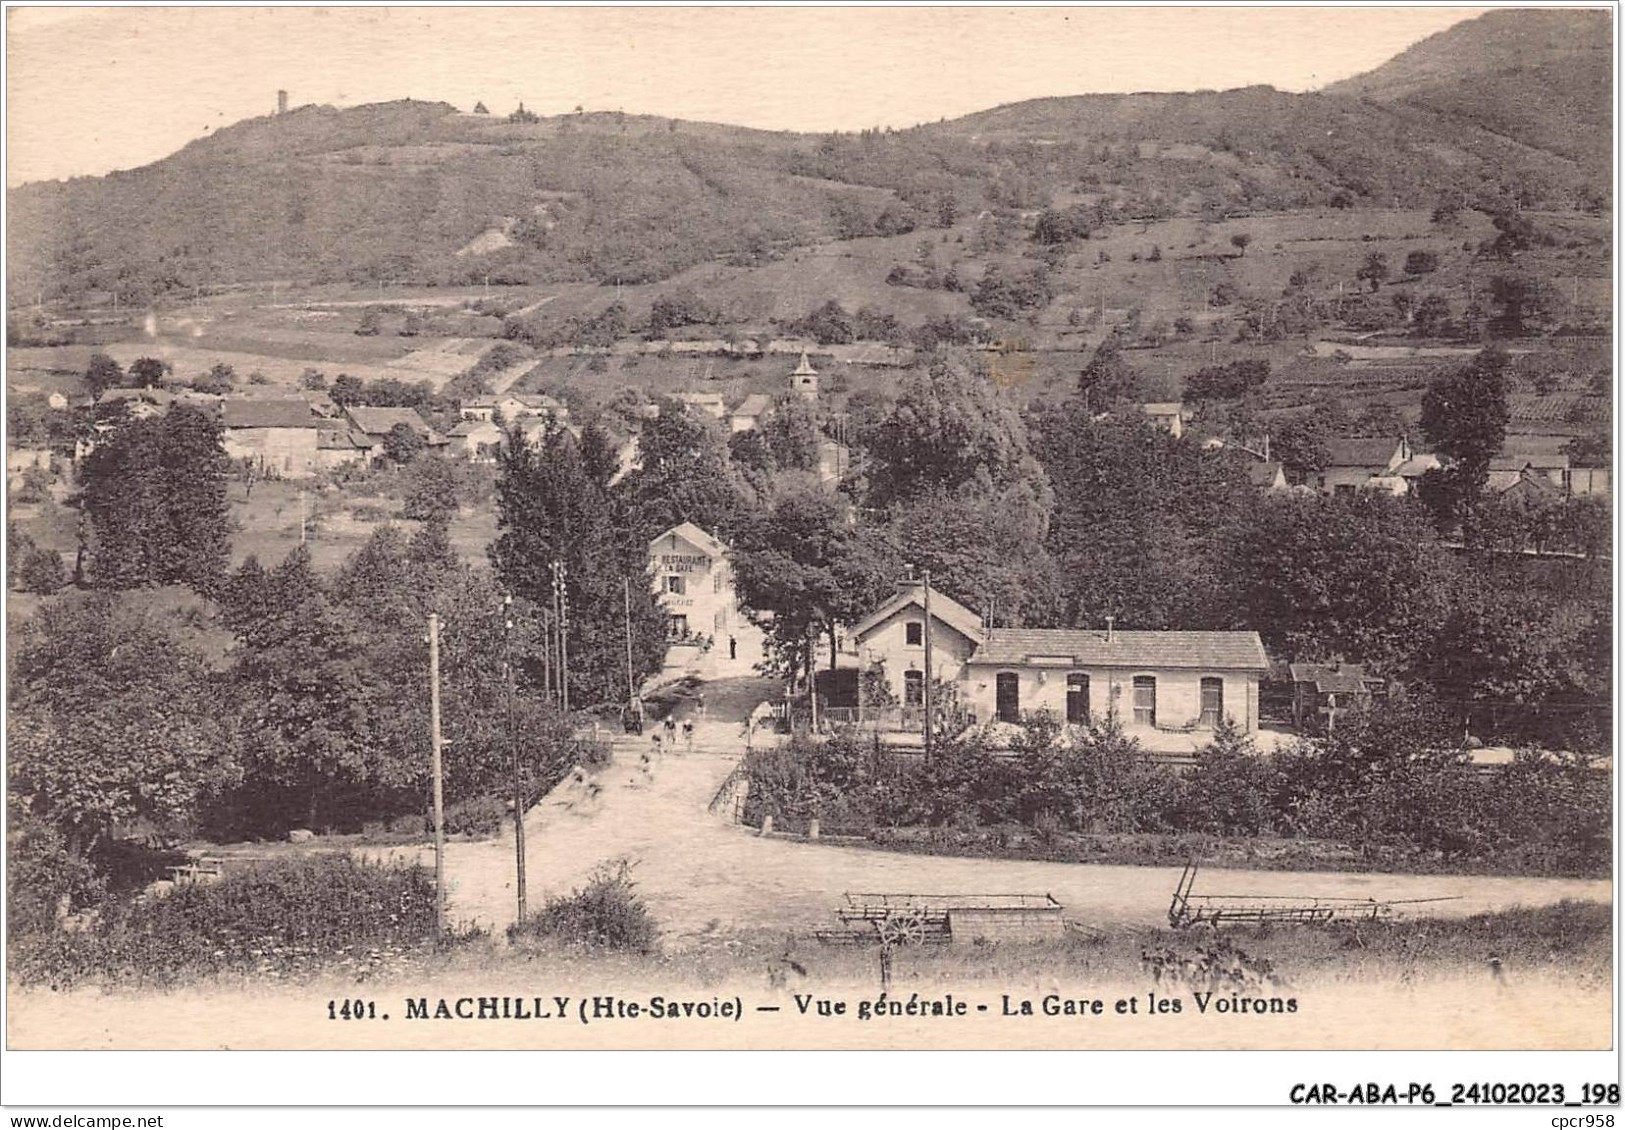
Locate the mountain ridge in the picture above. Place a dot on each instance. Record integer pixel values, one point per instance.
(398, 190)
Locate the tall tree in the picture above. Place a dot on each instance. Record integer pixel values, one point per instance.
(111, 718)
(1465, 412)
(1137, 518)
(549, 509)
(682, 475)
(809, 568)
(147, 372)
(102, 374)
(156, 495)
(951, 426)
(1355, 578)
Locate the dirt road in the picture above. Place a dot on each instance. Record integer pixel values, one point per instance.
(700, 873)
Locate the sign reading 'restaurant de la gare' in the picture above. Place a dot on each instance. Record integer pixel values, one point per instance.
(685, 563)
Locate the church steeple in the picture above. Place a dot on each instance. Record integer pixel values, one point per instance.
(804, 381)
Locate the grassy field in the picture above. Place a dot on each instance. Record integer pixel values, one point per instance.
(338, 521)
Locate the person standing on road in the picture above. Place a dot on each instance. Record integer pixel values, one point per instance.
(733, 648)
(671, 730)
(688, 733)
(702, 707)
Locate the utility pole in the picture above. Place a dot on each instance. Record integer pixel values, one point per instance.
(926, 575)
(513, 755)
(547, 655)
(561, 626)
(435, 773)
(301, 517)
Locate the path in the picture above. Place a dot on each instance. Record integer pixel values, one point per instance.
(699, 873)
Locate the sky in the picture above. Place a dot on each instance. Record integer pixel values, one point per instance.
(95, 89)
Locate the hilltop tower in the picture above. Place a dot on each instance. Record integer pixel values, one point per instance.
(804, 381)
(282, 101)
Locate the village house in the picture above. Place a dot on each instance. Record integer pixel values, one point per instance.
(376, 423)
(1171, 681)
(339, 445)
(280, 437)
(1364, 464)
(515, 406)
(1170, 416)
(710, 403)
(691, 576)
(478, 440)
(139, 403)
(1544, 457)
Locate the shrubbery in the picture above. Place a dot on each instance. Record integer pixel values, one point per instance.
(289, 918)
(607, 913)
(1397, 787)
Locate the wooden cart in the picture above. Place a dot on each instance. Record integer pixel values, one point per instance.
(1189, 909)
(915, 920)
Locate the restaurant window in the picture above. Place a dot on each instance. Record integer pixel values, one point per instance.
(674, 585)
(914, 633)
(1145, 700)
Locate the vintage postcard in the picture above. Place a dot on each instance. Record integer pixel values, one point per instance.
(813, 528)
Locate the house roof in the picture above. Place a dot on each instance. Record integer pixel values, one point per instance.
(943, 607)
(689, 532)
(1347, 678)
(1530, 482)
(1419, 464)
(1361, 452)
(379, 421)
(286, 413)
(753, 405)
(1163, 408)
(341, 439)
(1227, 651)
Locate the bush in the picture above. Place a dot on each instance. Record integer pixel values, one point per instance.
(35, 485)
(297, 916)
(1421, 262)
(605, 914)
(1229, 791)
(40, 572)
(43, 877)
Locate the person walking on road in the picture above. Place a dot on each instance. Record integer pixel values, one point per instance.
(733, 648)
(671, 731)
(688, 733)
